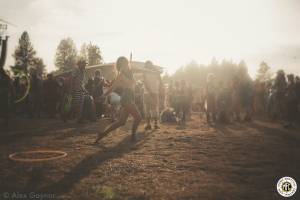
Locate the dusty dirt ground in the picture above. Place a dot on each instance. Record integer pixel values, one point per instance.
(236, 161)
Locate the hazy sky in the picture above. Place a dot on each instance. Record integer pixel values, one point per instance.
(171, 33)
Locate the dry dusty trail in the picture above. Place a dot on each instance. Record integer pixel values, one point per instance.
(237, 161)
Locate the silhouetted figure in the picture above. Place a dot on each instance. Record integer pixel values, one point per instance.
(170, 94)
(3, 44)
(223, 103)
(260, 97)
(65, 97)
(35, 97)
(125, 82)
(6, 89)
(97, 93)
(247, 98)
(51, 95)
(280, 86)
(78, 90)
(297, 88)
(190, 99)
(162, 97)
(17, 86)
(139, 97)
(89, 86)
(182, 103)
(152, 86)
(6, 95)
(291, 101)
(175, 98)
(210, 98)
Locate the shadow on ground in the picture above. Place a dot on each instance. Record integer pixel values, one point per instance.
(91, 162)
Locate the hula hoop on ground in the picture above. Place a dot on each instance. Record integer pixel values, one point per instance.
(14, 156)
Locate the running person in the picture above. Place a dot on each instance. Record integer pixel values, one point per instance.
(125, 83)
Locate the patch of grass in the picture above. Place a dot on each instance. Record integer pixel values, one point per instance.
(106, 192)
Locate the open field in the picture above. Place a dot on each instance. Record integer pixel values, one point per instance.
(237, 161)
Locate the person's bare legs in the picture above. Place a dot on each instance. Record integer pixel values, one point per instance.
(126, 110)
(148, 113)
(120, 122)
(133, 110)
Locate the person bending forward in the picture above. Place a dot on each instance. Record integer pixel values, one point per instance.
(125, 83)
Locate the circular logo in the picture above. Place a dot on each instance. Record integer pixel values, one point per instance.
(286, 186)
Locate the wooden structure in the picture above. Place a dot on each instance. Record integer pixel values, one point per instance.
(109, 71)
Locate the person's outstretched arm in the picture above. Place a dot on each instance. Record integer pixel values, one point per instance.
(3, 52)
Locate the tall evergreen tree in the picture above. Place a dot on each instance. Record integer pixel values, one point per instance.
(93, 54)
(66, 55)
(24, 54)
(263, 72)
(83, 53)
(39, 66)
(225, 71)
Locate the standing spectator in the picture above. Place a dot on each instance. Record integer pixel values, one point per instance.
(210, 98)
(35, 97)
(190, 99)
(18, 94)
(89, 86)
(97, 93)
(280, 86)
(51, 95)
(162, 97)
(6, 95)
(291, 101)
(152, 82)
(182, 103)
(139, 97)
(99, 84)
(78, 90)
(297, 87)
(170, 94)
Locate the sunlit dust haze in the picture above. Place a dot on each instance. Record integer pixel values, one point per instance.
(171, 33)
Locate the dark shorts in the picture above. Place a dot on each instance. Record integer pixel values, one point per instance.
(127, 97)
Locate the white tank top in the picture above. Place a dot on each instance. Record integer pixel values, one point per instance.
(152, 80)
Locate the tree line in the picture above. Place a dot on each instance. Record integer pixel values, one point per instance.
(196, 74)
(225, 71)
(66, 56)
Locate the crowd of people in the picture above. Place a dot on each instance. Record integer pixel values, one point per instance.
(279, 98)
(71, 97)
(238, 99)
(34, 96)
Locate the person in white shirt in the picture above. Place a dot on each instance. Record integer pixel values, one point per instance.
(152, 83)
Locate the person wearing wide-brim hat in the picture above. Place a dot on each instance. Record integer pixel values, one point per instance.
(152, 83)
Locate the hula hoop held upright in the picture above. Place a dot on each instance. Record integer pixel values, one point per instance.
(125, 84)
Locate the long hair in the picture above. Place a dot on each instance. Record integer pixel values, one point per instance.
(121, 62)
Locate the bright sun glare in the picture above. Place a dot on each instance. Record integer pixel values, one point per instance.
(170, 32)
